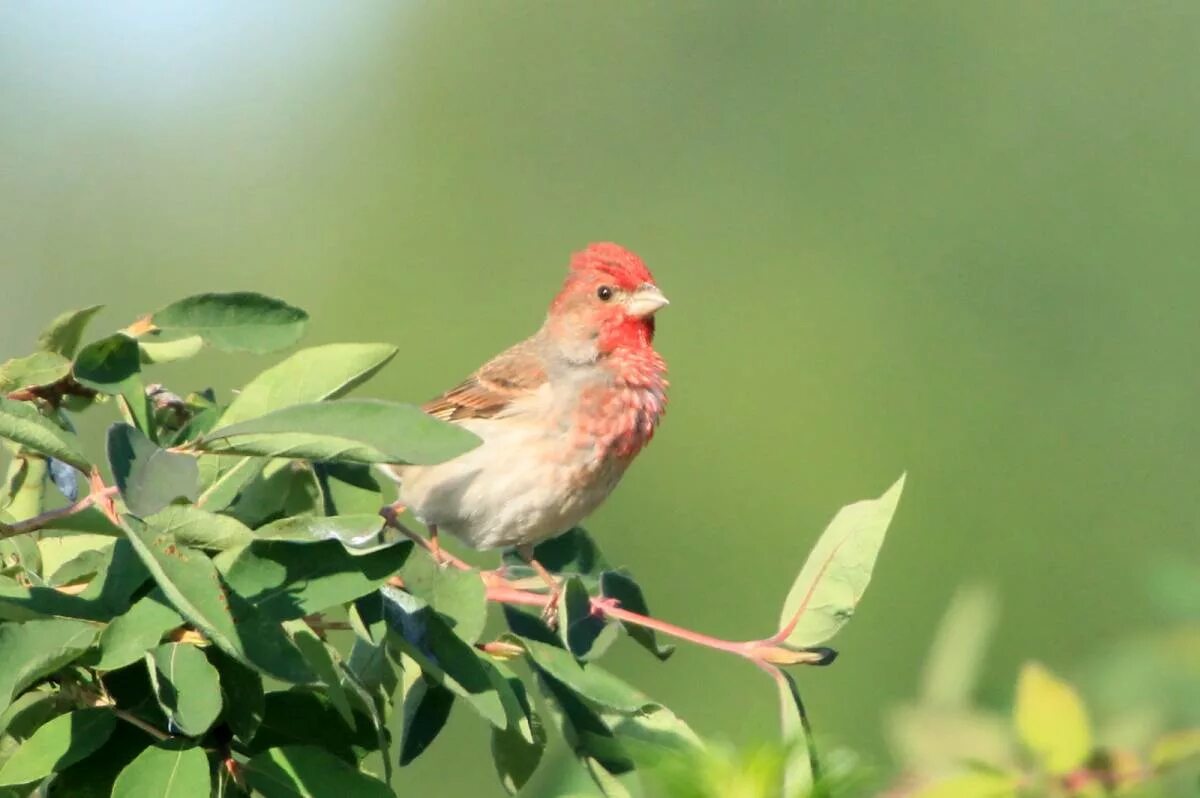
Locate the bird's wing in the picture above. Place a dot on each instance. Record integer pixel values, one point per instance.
(511, 375)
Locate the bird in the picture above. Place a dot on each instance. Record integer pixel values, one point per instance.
(560, 415)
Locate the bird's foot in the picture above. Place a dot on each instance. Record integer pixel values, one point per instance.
(550, 611)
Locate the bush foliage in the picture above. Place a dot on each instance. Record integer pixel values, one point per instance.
(165, 623)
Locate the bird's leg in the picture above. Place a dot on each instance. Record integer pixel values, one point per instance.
(435, 548)
(550, 612)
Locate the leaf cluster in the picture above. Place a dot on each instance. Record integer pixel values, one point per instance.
(219, 608)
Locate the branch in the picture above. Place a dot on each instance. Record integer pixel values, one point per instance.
(502, 591)
(102, 496)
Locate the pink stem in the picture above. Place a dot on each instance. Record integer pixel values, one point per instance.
(39, 521)
(509, 595)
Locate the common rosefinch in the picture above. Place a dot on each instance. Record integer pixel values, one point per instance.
(561, 414)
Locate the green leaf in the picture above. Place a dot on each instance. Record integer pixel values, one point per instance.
(972, 785)
(310, 375)
(1051, 720)
(302, 717)
(241, 695)
(323, 661)
(355, 430)
(459, 596)
(952, 666)
(165, 770)
(358, 534)
(350, 489)
(40, 368)
(619, 585)
(62, 336)
(34, 649)
(573, 552)
(237, 322)
(306, 772)
(517, 752)
(194, 527)
(106, 365)
(583, 729)
(93, 777)
(313, 374)
(584, 634)
(131, 635)
(191, 582)
(58, 744)
(427, 706)
(152, 352)
(106, 596)
(22, 423)
(149, 478)
(187, 686)
(288, 580)
(653, 737)
(443, 656)
(838, 570)
(589, 681)
(283, 488)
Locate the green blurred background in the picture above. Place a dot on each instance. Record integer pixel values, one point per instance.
(957, 239)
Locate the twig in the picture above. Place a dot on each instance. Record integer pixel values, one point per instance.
(39, 521)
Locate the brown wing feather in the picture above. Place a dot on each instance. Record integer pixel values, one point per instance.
(510, 375)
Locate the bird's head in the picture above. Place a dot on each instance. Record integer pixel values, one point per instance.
(607, 302)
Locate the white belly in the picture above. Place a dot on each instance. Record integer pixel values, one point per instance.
(525, 483)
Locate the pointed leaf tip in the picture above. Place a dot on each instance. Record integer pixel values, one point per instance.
(838, 570)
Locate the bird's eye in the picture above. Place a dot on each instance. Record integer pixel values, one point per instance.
(604, 292)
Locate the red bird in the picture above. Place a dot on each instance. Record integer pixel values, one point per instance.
(561, 415)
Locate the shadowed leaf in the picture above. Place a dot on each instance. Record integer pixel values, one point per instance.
(149, 478)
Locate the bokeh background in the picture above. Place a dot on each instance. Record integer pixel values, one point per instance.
(952, 239)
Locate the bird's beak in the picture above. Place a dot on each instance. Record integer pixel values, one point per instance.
(645, 301)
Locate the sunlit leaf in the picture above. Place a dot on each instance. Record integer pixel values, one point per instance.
(972, 785)
(1051, 720)
(1175, 748)
(62, 335)
(837, 572)
(187, 686)
(61, 742)
(132, 634)
(40, 368)
(354, 430)
(285, 580)
(309, 772)
(34, 649)
(243, 321)
(191, 582)
(309, 375)
(153, 352)
(22, 423)
(165, 770)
